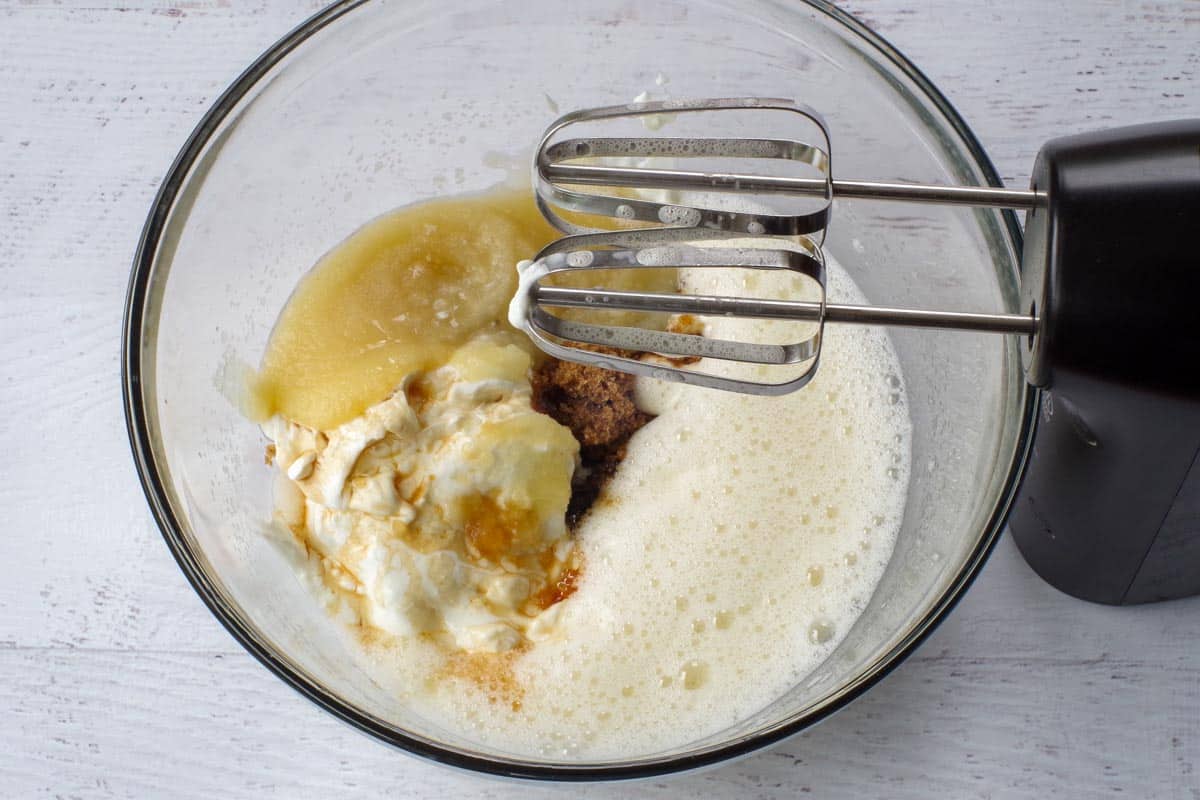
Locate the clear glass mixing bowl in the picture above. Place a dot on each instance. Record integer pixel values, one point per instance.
(374, 105)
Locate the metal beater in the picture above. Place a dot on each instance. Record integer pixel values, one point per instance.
(702, 235)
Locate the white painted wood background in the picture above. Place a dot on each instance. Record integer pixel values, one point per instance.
(116, 682)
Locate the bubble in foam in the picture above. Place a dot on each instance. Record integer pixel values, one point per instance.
(580, 258)
(683, 216)
(821, 631)
(693, 674)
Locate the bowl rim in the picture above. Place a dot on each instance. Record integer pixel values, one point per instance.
(133, 376)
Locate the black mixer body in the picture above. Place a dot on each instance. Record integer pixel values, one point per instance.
(1109, 509)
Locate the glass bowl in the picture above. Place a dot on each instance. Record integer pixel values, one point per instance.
(373, 105)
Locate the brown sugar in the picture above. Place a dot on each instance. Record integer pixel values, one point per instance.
(597, 405)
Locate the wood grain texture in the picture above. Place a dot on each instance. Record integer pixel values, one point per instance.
(116, 682)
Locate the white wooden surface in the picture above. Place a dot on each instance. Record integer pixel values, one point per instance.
(116, 682)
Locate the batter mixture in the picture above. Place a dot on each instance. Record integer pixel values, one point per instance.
(718, 546)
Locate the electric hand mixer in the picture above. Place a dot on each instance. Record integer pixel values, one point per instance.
(1110, 506)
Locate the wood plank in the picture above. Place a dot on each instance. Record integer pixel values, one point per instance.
(198, 724)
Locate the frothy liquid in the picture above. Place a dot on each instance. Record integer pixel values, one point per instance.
(740, 540)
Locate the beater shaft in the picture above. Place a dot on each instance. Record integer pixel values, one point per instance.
(674, 179)
(796, 310)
